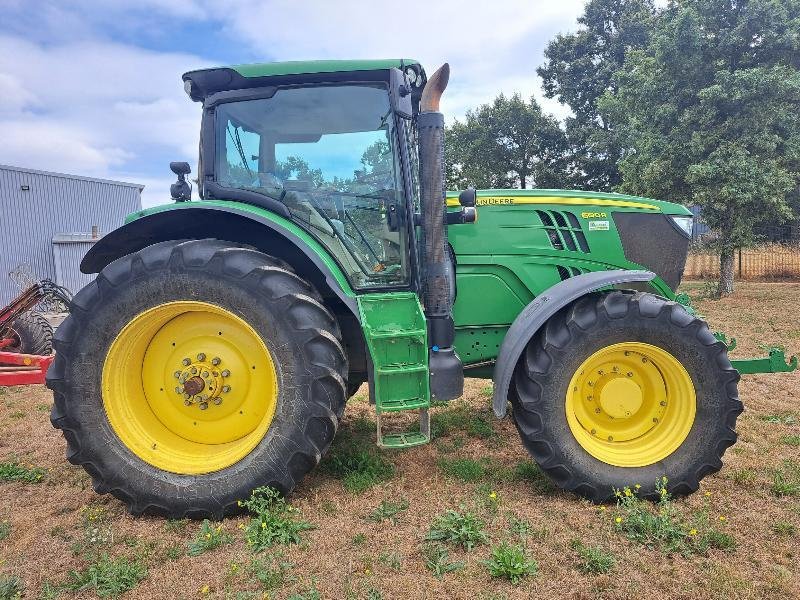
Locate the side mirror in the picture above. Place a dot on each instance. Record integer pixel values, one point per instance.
(468, 197)
(180, 168)
(400, 94)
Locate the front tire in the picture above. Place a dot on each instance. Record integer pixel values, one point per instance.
(624, 388)
(190, 373)
(33, 334)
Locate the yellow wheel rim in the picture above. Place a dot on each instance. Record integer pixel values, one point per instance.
(631, 404)
(189, 387)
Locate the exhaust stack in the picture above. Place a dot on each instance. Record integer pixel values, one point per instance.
(446, 370)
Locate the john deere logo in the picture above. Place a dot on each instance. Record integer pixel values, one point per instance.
(594, 215)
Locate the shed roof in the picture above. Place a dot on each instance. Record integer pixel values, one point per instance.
(68, 176)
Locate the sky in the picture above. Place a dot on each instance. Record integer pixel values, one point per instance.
(93, 87)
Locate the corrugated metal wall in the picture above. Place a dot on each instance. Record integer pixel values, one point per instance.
(54, 204)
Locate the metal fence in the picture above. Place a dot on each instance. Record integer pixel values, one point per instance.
(776, 256)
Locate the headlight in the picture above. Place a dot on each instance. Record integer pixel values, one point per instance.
(685, 224)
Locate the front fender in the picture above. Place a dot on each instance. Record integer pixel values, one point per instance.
(229, 221)
(536, 314)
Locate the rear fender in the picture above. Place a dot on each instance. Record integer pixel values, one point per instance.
(536, 314)
(233, 222)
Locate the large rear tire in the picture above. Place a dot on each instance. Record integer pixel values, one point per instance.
(620, 389)
(190, 373)
(33, 334)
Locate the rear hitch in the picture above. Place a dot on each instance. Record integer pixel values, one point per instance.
(774, 363)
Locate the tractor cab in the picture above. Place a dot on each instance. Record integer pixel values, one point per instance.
(330, 145)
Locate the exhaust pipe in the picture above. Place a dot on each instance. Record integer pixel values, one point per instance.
(446, 370)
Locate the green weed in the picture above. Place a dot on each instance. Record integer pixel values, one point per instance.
(786, 480)
(108, 576)
(356, 461)
(454, 527)
(664, 528)
(210, 537)
(388, 511)
(518, 526)
(783, 418)
(176, 525)
(10, 587)
(391, 560)
(510, 562)
(784, 528)
(13, 471)
(273, 522)
(437, 560)
(271, 572)
(528, 471)
(358, 539)
(461, 418)
(593, 559)
(462, 469)
(5, 530)
(791, 440)
(744, 477)
(17, 414)
(487, 498)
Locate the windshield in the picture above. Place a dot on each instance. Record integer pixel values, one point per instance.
(327, 153)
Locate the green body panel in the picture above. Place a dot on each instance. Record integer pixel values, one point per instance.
(308, 67)
(775, 362)
(505, 259)
(257, 212)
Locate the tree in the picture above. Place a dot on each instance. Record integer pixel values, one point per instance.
(507, 143)
(579, 69)
(710, 112)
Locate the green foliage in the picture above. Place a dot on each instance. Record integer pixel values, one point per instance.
(579, 67)
(461, 418)
(270, 571)
(388, 511)
(14, 471)
(507, 143)
(391, 560)
(593, 559)
(791, 440)
(356, 460)
(786, 480)
(5, 529)
(784, 418)
(274, 521)
(529, 471)
(784, 528)
(707, 112)
(359, 539)
(208, 538)
(463, 469)
(664, 528)
(176, 525)
(437, 560)
(510, 562)
(458, 528)
(108, 577)
(518, 526)
(10, 587)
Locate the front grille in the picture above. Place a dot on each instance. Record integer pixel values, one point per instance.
(655, 243)
(563, 230)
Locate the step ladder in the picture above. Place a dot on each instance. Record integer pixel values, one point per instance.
(396, 334)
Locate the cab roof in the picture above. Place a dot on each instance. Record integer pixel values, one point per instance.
(202, 82)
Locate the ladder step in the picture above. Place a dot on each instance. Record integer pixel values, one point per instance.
(398, 405)
(406, 439)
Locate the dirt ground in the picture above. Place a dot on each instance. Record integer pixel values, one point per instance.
(55, 521)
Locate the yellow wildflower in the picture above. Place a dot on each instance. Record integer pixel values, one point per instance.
(693, 532)
(219, 528)
(208, 536)
(628, 492)
(493, 495)
(241, 525)
(723, 519)
(234, 567)
(367, 572)
(602, 508)
(239, 502)
(205, 589)
(263, 525)
(707, 494)
(618, 520)
(637, 486)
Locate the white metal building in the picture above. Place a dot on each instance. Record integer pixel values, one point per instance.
(48, 221)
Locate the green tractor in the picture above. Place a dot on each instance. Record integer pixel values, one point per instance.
(217, 346)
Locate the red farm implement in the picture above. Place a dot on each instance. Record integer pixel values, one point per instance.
(26, 337)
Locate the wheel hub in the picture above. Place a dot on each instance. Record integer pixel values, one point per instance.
(201, 381)
(621, 397)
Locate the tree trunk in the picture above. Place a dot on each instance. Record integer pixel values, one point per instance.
(726, 272)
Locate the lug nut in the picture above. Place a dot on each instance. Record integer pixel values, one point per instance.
(226, 389)
(201, 356)
(186, 362)
(203, 405)
(663, 403)
(610, 439)
(215, 361)
(187, 396)
(194, 370)
(593, 432)
(217, 400)
(597, 410)
(205, 373)
(177, 374)
(629, 374)
(179, 389)
(226, 373)
(187, 402)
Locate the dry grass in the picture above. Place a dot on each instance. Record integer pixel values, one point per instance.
(349, 554)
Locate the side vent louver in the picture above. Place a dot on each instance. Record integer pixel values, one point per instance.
(566, 272)
(563, 230)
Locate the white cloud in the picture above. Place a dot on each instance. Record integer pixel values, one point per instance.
(75, 98)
